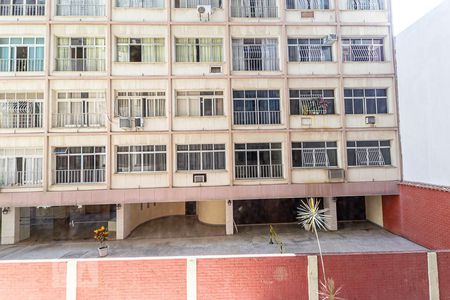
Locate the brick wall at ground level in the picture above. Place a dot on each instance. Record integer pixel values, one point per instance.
(444, 274)
(419, 214)
(282, 278)
(33, 281)
(379, 276)
(132, 279)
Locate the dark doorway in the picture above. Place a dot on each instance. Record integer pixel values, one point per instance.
(191, 208)
(351, 209)
(21, 59)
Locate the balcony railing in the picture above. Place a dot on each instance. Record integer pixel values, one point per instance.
(306, 4)
(255, 58)
(195, 3)
(361, 53)
(94, 10)
(254, 11)
(80, 65)
(22, 120)
(20, 179)
(79, 176)
(21, 65)
(78, 120)
(141, 3)
(365, 4)
(261, 171)
(256, 117)
(22, 9)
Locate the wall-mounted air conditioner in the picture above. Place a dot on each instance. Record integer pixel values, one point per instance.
(215, 69)
(139, 122)
(199, 178)
(204, 11)
(336, 175)
(370, 120)
(125, 123)
(330, 39)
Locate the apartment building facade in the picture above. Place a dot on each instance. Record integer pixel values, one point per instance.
(232, 111)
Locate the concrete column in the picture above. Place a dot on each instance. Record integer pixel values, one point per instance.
(433, 276)
(211, 212)
(313, 278)
(120, 222)
(374, 209)
(229, 219)
(15, 225)
(330, 204)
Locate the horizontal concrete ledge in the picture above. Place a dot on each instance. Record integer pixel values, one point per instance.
(183, 194)
(427, 186)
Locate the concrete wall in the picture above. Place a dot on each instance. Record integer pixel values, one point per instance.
(424, 91)
(374, 209)
(211, 212)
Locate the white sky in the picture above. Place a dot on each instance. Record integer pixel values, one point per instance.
(407, 12)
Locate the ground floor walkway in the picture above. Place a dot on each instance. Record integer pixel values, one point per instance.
(172, 237)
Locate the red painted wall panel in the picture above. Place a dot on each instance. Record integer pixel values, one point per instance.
(282, 278)
(379, 276)
(132, 279)
(33, 281)
(444, 275)
(419, 214)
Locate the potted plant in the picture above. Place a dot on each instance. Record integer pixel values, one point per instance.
(101, 235)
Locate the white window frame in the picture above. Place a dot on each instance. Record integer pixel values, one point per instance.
(364, 155)
(191, 150)
(10, 177)
(18, 109)
(312, 102)
(310, 51)
(195, 101)
(314, 157)
(152, 104)
(135, 158)
(194, 50)
(365, 49)
(155, 44)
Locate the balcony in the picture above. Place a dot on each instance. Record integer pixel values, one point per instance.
(20, 179)
(64, 120)
(254, 11)
(79, 176)
(94, 10)
(21, 120)
(80, 65)
(259, 172)
(22, 9)
(257, 117)
(21, 65)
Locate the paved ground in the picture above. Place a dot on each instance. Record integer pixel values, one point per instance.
(352, 237)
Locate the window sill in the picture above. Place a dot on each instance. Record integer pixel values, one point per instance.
(315, 168)
(191, 172)
(147, 8)
(372, 167)
(139, 63)
(142, 173)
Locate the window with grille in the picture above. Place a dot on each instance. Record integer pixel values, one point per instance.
(365, 101)
(195, 3)
(201, 157)
(369, 153)
(144, 158)
(199, 103)
(140, 50)
(21, 110)
(251, 107)
(255, 54)
(80, 8)
(20, 167)
(307, 4)
(314, 154)
(311, 102)
(309, 50)
(258, 160)
(254, 8)
(22, 8)
(198, 50)
(140, 104)
(140, 3)
(363, 50)
(365, 4)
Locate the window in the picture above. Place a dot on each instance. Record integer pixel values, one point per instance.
(312, 102)
(365, 101)
(145, 158)
(195, 3)
(254, 8)
(80, 54)
(256, 107)
(140, 3)
(307, 4)
(20, 167)
(21, 110)
(369, 153)
(258, 160)
(80, 8)
(141, 104)
(365, 4)
(19, 54)
(198, 49)
(79, 164)
(255, 55)
(199, 103)
(363, 50)
(199, 157)
(22, 8)
(80, 109)
(309, 50)
(140, 49)
(314, 154)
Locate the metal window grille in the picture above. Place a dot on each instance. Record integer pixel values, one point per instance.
(198, 157)
(140, 104)
(254, 9)
(140, 3)
(20, 167)
(255, 55)
(314, 154)
(309, 50)
(27, 8)
(258, 161)
(311, 102)
(365, 4)
(307, 4)
(144, 158)
(365, 101)
(80, 8)
(368, 153)
(21, 110)
(199, 103)
(363, 50)
(195, 3)
(252, 107)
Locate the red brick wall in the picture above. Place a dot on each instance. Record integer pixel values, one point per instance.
(32, 281)
(379, 276)
(419, 214)
(132, 279)
(281, 278)
(444, 274)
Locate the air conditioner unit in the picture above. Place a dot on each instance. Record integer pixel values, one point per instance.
(204, 11)
(215, 69)
(199, 178)
(336, 175)
(370, 120)
(125, 123)
(139, 122)
(330, 39)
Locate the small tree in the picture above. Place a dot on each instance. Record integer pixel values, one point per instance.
(101, 235)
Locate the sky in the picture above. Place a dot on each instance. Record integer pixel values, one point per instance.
(407, 12)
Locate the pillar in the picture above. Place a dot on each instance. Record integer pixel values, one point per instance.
(374, 209)
(211, 212)
(120, 221)
(229, 220)
(15, 225)
(330, 204)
